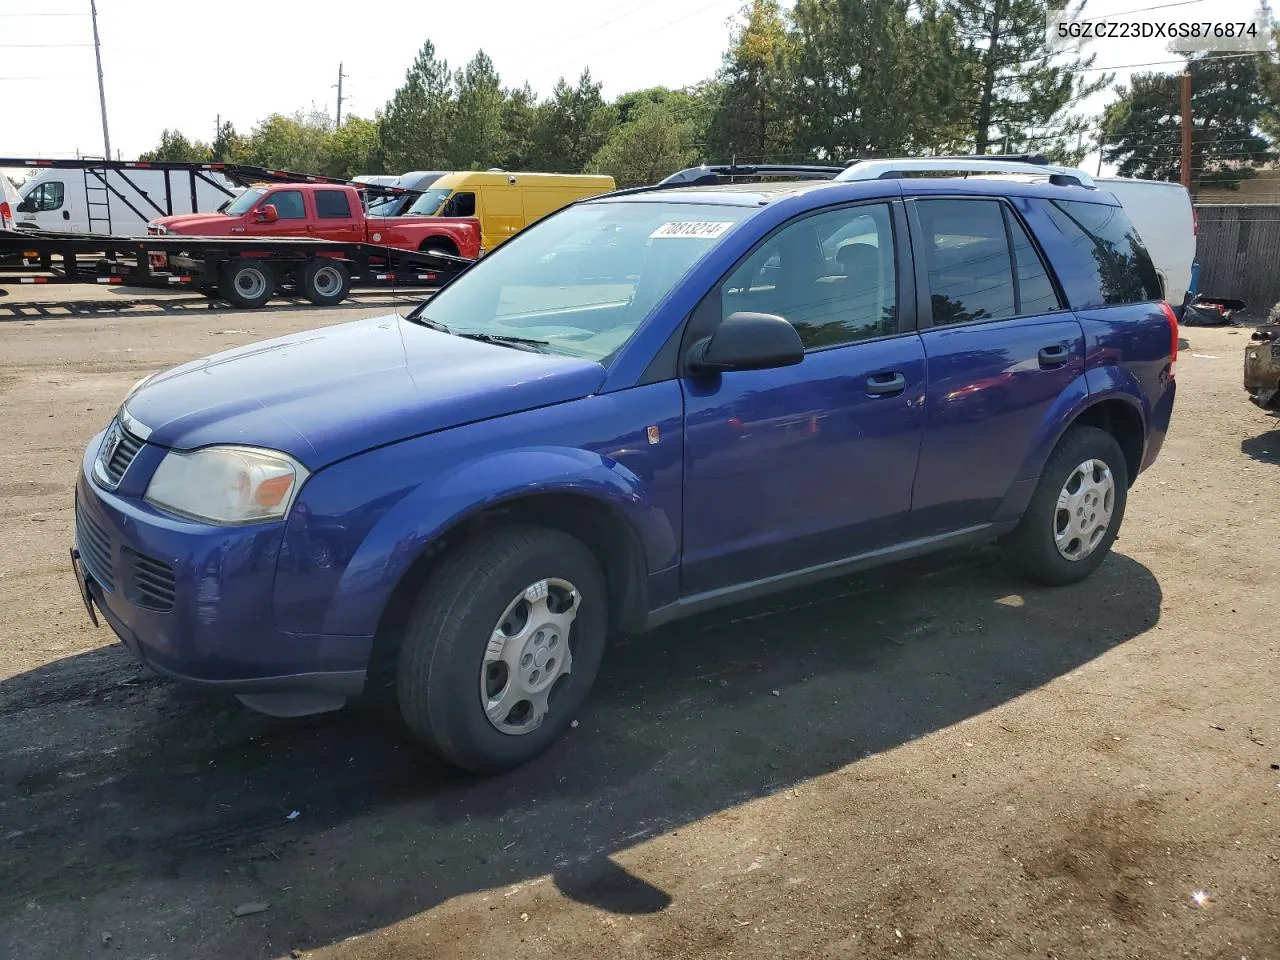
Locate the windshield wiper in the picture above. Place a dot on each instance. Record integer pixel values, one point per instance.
(507, 341)
(415, 316)
(504, 339)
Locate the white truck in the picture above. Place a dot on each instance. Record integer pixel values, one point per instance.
(115, 202)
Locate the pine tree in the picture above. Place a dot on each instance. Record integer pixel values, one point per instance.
(477, 141)
(1020, 87)
(1143, 127)
(571, 126)
(417, 126)
(872, 77)
(751, 120)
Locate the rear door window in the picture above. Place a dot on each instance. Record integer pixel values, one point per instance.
(981, 263)
(332, 205)
(968, 261)
(1105, 236)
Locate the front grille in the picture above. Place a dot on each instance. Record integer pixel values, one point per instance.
(94, 545)
(151, 583)
(117, 460)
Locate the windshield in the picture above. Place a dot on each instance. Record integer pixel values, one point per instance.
(427, 204)
(244, 202)
(385, 206)
(582, 281)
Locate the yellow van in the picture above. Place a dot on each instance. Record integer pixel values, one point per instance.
(505, 203)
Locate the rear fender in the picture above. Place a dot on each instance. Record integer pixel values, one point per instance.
(425, 515)
(1093, 387)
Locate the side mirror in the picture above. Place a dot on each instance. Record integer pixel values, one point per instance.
(27, 206)
(747, 341)
(267, 213)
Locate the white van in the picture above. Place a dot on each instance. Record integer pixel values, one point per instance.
(117, 202)
(1165, 220)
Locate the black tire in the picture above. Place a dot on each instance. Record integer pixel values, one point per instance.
(246, 283)
(1030, 551)
(325, 281)
(438, 672)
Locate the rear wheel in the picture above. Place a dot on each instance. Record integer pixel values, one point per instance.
(440, 246)
(246, 283)
(503, 646)
(325, 282)
(1075, 512)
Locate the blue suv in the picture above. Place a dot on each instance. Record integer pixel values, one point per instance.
(649, 404)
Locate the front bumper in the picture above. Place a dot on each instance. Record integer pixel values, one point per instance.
(1262, 368)
(194, 601)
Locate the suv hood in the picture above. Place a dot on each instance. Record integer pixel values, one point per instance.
(199, 224)
(326, 394)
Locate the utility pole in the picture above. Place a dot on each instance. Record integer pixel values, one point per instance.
(1186, 129)
(102, 93)
(338, 122)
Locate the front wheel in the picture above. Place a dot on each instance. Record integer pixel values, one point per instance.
(1075, 512)
(503, 646)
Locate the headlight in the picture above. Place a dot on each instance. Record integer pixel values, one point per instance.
(228, 485)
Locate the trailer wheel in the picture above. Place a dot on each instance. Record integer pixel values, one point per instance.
(325, 282)
(246, 283)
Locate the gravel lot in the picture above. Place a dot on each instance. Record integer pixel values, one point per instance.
(931, 761)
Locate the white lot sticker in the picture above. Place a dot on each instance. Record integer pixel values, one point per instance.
(698, 229)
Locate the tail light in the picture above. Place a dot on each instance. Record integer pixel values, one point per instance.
(1173, 335)
(6, 213)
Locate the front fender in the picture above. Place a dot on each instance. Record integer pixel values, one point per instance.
(429, 511)
(359, 524)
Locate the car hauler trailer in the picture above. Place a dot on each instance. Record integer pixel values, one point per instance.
(120, 197)
(246, 271)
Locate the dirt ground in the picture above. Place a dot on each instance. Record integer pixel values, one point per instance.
(932, 761)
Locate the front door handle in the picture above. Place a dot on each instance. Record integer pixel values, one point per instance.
(1054, 355)
(886, 384)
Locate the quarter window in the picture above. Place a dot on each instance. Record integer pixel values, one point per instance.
(830, 275)
(1124, 271)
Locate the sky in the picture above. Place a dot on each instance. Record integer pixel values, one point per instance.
(182, 65)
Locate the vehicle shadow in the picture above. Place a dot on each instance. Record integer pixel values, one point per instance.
(113, 788)
(1265, 447)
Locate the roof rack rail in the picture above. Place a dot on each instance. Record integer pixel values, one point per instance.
(1039, 159)
(996, 163)
(717, 173)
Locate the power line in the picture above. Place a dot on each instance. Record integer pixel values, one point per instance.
(1125, 13)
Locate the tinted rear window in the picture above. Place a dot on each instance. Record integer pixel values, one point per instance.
(332, 204)
(1124, 272)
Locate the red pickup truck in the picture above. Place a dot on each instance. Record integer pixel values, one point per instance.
(325, 212)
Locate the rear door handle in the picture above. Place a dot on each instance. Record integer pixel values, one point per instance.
(885, 384)
(1055, 355)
